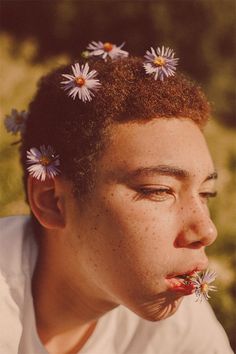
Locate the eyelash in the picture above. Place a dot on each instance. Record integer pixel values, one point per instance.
(208, 195)
(161, 194)
(158, 193)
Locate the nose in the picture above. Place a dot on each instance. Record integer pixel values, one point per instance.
(197, 229)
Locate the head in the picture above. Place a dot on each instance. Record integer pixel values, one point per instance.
(129, 209)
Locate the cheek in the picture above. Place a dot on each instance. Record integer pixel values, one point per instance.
(137, 235)
(129, 249)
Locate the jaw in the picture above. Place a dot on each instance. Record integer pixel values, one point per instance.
(163, 306)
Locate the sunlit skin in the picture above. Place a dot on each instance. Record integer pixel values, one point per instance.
(146, 220)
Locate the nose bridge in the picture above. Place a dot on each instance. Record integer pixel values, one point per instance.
(198, 227)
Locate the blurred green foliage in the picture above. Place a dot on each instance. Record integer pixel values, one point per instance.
(39, 35)
(19, 73)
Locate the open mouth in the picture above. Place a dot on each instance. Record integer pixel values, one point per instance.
(182, 283)
(188, 275)
(196, 281)
(184, 276)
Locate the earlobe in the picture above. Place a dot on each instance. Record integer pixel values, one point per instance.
(46, 202)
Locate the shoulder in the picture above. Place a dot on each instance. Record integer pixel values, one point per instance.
(13, 234)
(9, 223)
(191, 329)
(13, 256)
(202, 329)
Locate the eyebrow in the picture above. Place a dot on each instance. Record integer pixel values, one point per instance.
(213, 175)
(166, 170)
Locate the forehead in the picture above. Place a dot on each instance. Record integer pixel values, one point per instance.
(172, 141)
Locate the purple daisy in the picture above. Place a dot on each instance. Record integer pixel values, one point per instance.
(43, 162)
(161, 62)
(106, 50)
(81, 83)
(201, 281)
(15, 122)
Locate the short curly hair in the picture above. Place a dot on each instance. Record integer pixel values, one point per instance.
(76, 129)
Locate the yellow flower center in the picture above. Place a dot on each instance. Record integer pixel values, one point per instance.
(204, 287)
(159, 61)
(45, 160)
(80, 81)
(107, 47)
(19, 119)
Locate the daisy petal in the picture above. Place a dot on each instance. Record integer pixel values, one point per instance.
(43, 162)
(107, 50)
(201, 281)
(82, 84)
(16, 122)
(162, 62)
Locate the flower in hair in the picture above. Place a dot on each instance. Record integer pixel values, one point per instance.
(15, 122)
(85, 54)
(161, 62)
(201, 281)
(106, 50)
(81, 83)
(43, 162)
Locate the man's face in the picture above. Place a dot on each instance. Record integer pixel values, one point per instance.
(147, 219)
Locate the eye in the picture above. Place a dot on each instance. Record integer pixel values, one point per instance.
(155, 194)
(205, 196)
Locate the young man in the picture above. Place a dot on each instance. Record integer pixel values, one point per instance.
(96, 267)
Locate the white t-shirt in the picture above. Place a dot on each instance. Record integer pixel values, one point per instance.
(193, 329)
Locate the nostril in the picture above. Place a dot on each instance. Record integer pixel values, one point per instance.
(196, 236)
(196, 245)
(183, 242)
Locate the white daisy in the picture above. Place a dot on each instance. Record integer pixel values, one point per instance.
(106, 50)
(43, 162)
(82, 83)
(201, 281)
(161, 62)
(15, 122)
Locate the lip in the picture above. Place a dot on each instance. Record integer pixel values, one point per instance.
(175, 284)
(190, 270)
(179, 287)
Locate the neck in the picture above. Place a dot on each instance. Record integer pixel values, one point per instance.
(67, 306)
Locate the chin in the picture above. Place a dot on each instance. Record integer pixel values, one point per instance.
(163, 306)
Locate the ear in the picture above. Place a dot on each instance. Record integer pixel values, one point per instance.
(47, 202)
